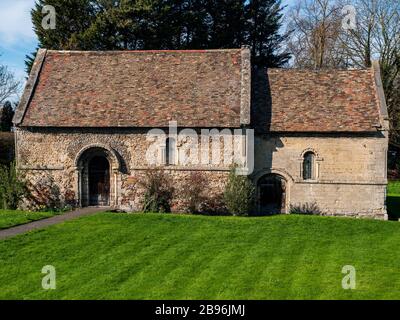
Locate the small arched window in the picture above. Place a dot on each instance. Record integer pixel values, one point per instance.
(309, 166)
(170, 152)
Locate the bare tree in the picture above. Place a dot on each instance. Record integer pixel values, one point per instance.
(315, 27)
(394, 109)
(319, 40)
(377, 32)
(377, 36)
(9, 86)
(358, 41)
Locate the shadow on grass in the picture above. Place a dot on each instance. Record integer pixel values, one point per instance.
(393, 207)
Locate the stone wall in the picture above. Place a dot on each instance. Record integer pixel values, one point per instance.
(351, 169)
(53, 155)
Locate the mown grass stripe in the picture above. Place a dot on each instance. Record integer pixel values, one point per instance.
(148, 256)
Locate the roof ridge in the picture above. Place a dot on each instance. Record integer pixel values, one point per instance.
(30, 86)
(143, 51)
(319, 70)
(93, 89)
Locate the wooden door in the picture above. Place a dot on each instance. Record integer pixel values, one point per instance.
(99, 182)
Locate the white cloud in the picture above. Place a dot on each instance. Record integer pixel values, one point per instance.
(15, 22)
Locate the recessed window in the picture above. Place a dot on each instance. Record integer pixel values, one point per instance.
(309, 166)
(170, 148)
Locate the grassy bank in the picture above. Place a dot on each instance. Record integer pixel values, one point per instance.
(146, 256)
(10, 218)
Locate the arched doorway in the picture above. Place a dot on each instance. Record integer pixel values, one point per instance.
(99, 181)
(271, 191)
(97, 169)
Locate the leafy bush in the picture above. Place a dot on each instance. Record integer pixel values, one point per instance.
(158, 191)
(239, 195)
(192, 192)
(214, 206)
(306, 209)
(12, 187)
(6, 116)
(45, 195)
(6, 148)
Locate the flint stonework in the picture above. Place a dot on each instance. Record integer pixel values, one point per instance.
(80, 106)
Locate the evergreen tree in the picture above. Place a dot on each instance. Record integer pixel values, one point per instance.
(227, 23)
(72, 18)
(164, 24)
(6, 116)
(264, 21)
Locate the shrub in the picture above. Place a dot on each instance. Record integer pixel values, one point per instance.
(44, 194)
(6, 116)
(6, 148)
(192, 192)
(239, 195)
(158, 191)
(12, 187)
(306, 209)
(214, 206)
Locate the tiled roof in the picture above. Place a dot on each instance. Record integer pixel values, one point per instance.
(292, 100)
(139, 89)
(196, 88)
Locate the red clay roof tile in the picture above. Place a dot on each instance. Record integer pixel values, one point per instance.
(196, 88)
(292, 100)
(137, 89)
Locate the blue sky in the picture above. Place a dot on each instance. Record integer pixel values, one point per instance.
(17, 38)
(16, 35)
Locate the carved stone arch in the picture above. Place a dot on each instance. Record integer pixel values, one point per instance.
(313, 150)
(285, 182)
(281, 172)
(112, 155)
(89, 160)
(316, 163)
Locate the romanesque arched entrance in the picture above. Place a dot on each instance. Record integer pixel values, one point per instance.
(98, 169)
(271, 194)
(99, 181)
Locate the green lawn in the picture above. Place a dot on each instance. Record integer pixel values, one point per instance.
(393, 200)
(147, 256)
(10, 218)
(394, 187)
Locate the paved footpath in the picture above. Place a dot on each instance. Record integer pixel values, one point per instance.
(13, 231)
